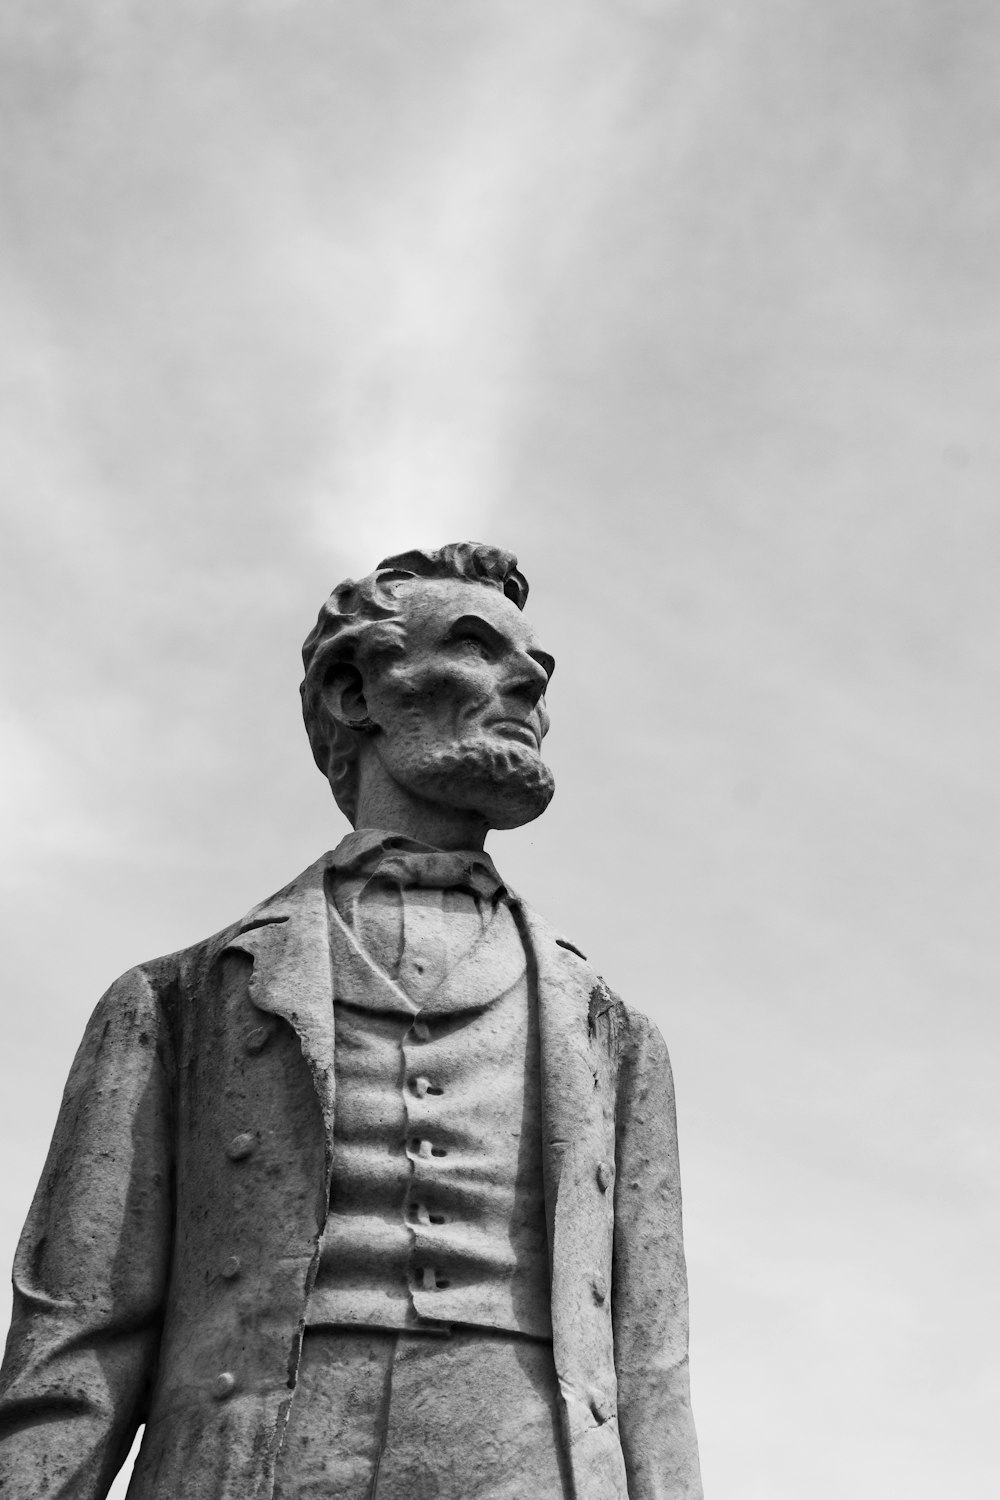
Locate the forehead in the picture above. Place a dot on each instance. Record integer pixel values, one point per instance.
(432, 605)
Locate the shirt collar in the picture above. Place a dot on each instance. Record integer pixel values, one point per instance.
(368, 852)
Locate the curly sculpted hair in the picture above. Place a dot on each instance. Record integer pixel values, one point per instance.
(363, 621)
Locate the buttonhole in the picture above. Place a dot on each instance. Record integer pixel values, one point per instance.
(436, 1218)
(441, 1283)
(570, 947)
(433, 1089)
(438, 1151)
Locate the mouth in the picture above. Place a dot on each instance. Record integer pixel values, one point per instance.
(516, 729)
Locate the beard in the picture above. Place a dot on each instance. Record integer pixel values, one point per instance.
(507, 784)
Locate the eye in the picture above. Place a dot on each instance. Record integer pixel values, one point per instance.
(472, 635)
(475, 643)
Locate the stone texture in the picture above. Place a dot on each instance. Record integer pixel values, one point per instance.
(474, 1414)
(204, 1170)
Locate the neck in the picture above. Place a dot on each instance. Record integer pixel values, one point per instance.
(383, 803)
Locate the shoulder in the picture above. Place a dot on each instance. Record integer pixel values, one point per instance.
(156, 978)
(556, 952)
(186, 967)
(549, 944)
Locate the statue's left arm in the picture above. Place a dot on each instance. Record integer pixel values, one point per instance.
(649, 1289)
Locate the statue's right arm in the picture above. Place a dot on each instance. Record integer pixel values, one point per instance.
(91, 1268)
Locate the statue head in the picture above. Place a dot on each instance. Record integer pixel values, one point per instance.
(425, 678)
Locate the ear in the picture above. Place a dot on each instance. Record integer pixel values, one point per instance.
(344, 696)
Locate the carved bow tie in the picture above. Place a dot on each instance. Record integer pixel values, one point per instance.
(404, 862)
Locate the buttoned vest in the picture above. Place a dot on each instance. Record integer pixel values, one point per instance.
(436, 1212)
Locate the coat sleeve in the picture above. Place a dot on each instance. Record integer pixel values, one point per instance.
(91, 1266)
(649, 1286)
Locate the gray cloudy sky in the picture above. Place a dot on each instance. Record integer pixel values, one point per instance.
(697, 308)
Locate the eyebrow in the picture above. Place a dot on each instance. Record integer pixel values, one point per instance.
(496, 638)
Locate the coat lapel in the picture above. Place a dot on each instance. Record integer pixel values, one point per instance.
(578, 1135)
(288, 939)
(568, 1106)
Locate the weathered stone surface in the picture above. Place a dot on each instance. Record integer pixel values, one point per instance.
(375, 1193)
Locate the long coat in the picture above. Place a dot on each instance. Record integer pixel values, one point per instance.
(163, 1272)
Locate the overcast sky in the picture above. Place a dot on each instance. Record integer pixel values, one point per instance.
(695, 307)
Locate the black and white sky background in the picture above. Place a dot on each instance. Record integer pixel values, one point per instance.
(696, 307)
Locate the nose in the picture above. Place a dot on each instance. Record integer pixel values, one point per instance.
(528, 681)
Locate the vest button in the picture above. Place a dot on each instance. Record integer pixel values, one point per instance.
(225, 1385)
(600, 1290)
(419, 1213)
(231, 1267)
(257, 1040)
(605, 1175)
(421, 1031)
(241, 1146)
(430, 1281)
(423, 1086)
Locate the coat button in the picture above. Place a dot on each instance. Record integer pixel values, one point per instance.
(605, 1175)
(231, 1267)
(600, 1290)
(241, 1146)
(225, 1385)
(256, 1040)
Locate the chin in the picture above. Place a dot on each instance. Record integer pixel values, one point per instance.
(507, 784)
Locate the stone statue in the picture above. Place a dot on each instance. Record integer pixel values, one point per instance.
(373, 1195)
